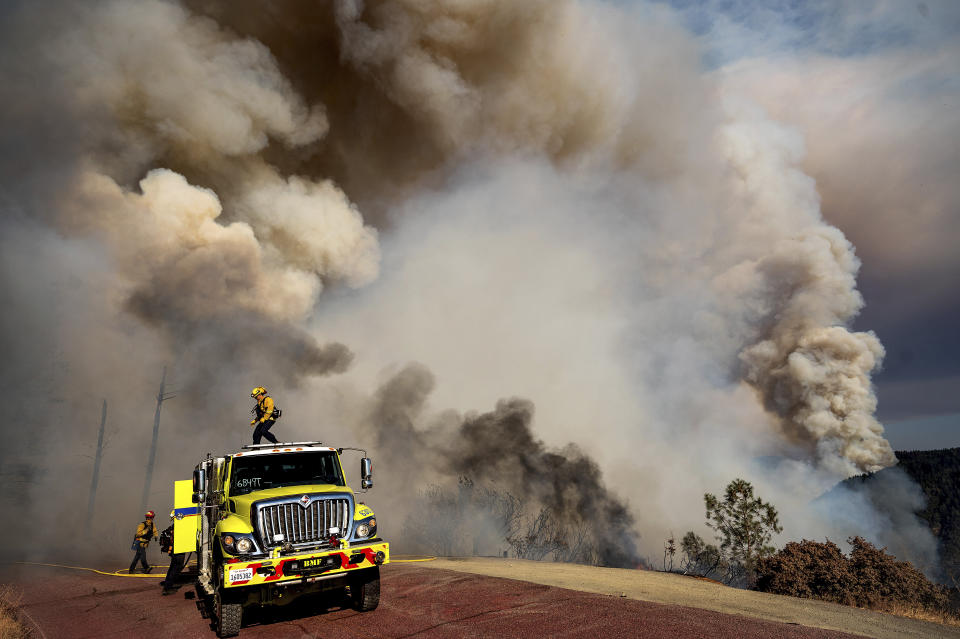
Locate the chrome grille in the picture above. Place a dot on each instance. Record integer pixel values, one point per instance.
(299, 524)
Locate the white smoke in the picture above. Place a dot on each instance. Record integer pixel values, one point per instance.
(312, 226)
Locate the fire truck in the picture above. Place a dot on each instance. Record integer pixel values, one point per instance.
(276, 521)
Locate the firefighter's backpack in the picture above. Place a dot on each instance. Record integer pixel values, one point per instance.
(166, 539)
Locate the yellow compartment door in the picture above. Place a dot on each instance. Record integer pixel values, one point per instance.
(186, 519)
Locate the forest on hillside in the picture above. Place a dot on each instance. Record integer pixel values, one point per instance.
(937, 472)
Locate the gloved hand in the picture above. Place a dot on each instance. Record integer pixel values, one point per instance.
(253, 422)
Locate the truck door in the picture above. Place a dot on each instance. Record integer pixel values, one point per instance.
(186, 522)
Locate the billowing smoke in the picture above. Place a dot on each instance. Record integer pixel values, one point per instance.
(546, 200)
(499, 450)
(816, 374)
(179, 90)
(799, 297)
(186, 273)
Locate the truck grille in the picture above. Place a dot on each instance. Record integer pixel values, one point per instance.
(299, 524)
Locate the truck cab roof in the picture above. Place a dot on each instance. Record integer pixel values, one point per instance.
(281, 447)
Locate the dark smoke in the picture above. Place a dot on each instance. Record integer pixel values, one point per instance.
(288, 354)
(499, 449)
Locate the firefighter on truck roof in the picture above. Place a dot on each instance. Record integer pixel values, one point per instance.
(265, 415)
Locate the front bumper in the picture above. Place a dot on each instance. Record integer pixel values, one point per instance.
(308, 566)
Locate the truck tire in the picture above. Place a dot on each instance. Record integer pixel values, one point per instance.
(229, 616)
(365, 589)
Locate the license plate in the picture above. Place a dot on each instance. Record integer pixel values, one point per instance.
(244, 574)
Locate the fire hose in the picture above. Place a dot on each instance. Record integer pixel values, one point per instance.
(123, 572)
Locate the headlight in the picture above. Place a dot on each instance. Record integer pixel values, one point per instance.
(236, 545)
(363, 530)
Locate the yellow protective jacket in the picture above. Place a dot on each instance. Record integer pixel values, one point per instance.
(145, 530)
(264, 410)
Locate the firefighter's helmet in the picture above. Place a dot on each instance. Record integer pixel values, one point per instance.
(150, 514)
(256, 391)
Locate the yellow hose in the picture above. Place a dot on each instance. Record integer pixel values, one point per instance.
(123, 572)
(401, 561)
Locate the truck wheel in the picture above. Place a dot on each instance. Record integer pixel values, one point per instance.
(365, 589)
(229, 616)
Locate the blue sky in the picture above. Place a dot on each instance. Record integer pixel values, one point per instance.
(734, 29)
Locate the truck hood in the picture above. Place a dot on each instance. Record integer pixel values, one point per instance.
(243, 503)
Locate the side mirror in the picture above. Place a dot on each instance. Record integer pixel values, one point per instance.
(366, 473)
(199, 481)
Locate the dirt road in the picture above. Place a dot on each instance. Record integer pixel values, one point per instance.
(423, 600)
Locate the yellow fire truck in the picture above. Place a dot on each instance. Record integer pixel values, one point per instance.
(275, 521)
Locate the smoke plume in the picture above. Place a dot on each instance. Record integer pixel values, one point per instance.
(497, 449)
(548, 203)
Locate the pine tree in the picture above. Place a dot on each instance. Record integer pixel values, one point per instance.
(744, 524)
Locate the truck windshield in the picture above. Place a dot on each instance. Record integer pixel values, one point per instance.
(260, 472)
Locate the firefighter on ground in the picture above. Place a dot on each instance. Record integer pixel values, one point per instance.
(265, 415)
(145, 530)
(176, 559)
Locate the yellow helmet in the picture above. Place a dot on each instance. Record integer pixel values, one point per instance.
(256, 391)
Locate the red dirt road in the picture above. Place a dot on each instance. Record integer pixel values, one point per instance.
(415, 602)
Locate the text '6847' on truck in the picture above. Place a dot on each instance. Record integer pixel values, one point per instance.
(276, 521)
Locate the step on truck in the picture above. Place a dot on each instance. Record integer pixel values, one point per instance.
(276, 521)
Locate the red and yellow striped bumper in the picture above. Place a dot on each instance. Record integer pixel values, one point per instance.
(305, 566)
